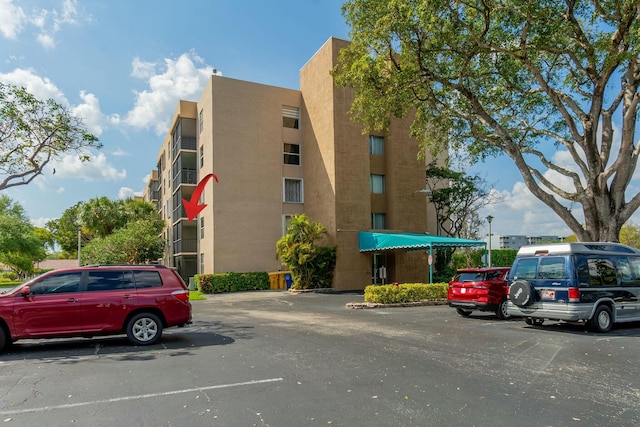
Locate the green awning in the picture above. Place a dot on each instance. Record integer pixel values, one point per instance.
(376, 241)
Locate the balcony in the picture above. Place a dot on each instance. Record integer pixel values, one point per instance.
(185, 176)
(184, 143)
(185, 245)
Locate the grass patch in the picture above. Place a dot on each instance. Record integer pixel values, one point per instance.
(196, 296)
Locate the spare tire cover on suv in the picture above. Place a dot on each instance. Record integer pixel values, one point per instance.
(521, 293)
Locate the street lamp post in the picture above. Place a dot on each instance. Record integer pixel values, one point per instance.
(489, 219)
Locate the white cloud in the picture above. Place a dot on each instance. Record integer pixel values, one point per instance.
(48, 22)
(12, 19)
(46, 40)
(182, 78)
(96, 169)
(43, 88)
(90, 113)
(40, 87)
(142, 69)
(127, 193)
(119, 152)
(41, 222)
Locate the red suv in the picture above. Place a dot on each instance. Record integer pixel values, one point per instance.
(483, 289)
(139, 300)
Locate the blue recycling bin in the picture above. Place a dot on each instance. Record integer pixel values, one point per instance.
(288, 280)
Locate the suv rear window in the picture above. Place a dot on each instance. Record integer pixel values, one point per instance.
(147, 279)
(552, 268)
(477, 276)
(525, 269)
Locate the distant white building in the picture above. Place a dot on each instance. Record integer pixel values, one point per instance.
(514, 241)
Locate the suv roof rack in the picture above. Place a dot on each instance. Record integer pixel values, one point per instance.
(577, 248)
(125, 265)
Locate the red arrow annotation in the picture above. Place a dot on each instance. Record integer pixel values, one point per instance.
(192, 207)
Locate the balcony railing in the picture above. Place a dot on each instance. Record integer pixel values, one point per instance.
(185, 245)
(184, 143)
(185, 176)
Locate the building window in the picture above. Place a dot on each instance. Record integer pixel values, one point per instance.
(286, 220)
(200, 121)
(293, 190)
(201, 227)
(291, 154)
(376, 145)
(291, 117)
(201, 156)
(377, 184)
(378, 221)
(201, 263)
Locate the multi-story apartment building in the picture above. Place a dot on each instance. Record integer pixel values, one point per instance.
(279, 152)
(514, 241)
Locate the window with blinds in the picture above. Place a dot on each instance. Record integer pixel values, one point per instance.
(292, 190)
(291, 117)
(378, 221)
(377, 184)
(376, 145)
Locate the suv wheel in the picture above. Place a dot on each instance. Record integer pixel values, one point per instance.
(462, 312)
(601, 320)
(501, 312)
(144, 329)
(521, 293)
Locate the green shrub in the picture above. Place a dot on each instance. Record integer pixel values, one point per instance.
(8, 276)
(406, 292)
(231, 282)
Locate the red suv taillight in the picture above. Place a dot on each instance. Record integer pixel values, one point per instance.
(574, 294)
(182, 295)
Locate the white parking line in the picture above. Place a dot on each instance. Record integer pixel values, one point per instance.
(140, 396)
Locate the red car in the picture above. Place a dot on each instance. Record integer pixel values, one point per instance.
(137, 300)
(482, 289)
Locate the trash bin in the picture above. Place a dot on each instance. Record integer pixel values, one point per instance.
(273, 281)
(192, 284)
(288, 280)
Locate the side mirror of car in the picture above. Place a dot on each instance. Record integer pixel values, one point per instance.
(25, 291)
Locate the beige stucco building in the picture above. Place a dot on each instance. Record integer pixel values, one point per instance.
(278, 152)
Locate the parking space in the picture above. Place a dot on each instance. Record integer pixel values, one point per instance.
(274, 358)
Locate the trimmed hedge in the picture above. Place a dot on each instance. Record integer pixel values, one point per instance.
(406, 292)
(231, 282)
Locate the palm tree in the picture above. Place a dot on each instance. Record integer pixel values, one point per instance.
(297, 250)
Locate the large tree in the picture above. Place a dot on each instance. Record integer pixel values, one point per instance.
(516, 77)
(457, 198)
(34, 132)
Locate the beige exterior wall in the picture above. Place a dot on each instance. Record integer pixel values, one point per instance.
(240, 137)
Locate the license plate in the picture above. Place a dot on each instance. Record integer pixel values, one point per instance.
(463, 290)
(548, 294)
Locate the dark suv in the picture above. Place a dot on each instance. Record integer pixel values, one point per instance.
(137, 300)
(483, 289)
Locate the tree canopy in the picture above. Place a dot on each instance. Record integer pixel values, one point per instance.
(34, 132)
(553, 85)
(112, 231)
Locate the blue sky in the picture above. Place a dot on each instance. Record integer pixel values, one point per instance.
(122, 66)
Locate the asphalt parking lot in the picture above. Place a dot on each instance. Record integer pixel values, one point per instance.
(280, 359)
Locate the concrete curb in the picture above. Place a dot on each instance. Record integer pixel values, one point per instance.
(362, 305)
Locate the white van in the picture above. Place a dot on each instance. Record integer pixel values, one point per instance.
(597, 283)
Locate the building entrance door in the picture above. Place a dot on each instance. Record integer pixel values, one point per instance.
(379, 271)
